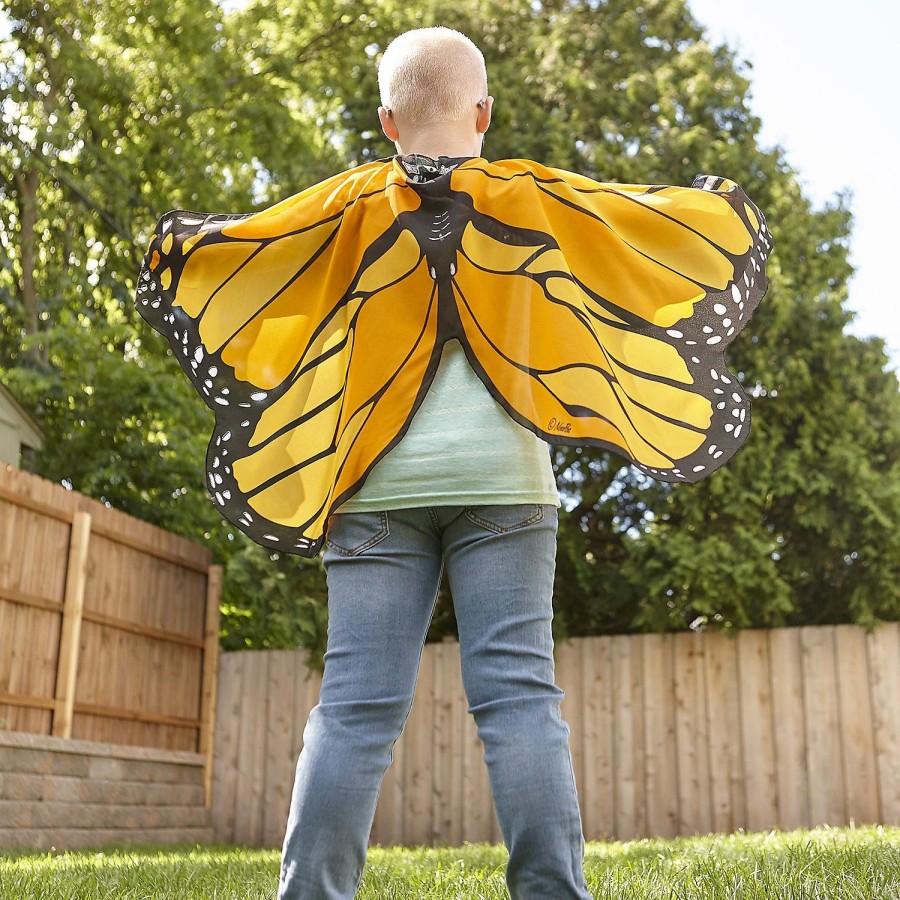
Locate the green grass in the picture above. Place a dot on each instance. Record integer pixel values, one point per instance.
(823, 864)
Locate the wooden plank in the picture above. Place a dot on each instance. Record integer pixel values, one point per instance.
(823, 726)
(568, 678)
(206, 735)
(599, 793)
(151, 549)
(27, 627)
(628, 729)
(726, 763)
(169, 637)
(757, 729)
(883, 645)
(693, 763)
(440, 747)
(52, 501)
(25, 502)
(134, 715)
(21, 719)
(624, 775)
(296, 713)
(856, 728)
(278, 743)
(31, 702)
(418, 758)
(71, 629)
(228, 723)
(446, 825)
(789, 714)
(33, 578)
(477, 800)
(99, 653)
(171, 686)
(693, 733)
(661, 760)
(459, 707)
(251, 763)
(23, 599)
(46, 626)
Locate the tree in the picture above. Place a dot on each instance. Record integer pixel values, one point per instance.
(795, 528)
(116, 111)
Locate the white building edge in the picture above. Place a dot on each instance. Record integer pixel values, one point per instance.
(18, 430)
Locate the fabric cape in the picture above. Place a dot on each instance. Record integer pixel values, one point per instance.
(596, 314)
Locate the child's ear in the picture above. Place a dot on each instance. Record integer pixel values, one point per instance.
(388, 125)
(482, 123)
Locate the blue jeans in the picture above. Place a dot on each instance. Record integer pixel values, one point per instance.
(383, 571)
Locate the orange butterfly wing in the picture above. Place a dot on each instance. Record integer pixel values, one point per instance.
(598, 314)
(309, 329)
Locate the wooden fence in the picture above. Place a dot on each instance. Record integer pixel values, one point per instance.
(670, 735)
(108, 626)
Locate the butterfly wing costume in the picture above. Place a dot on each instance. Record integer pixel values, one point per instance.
(596, 314)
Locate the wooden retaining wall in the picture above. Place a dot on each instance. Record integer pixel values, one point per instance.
(670, 734)
(108, 625)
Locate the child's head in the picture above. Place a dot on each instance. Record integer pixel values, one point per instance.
(432, 79)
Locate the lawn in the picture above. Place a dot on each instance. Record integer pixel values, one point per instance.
(823, 864)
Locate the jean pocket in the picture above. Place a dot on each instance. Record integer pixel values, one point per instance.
(353, 533)
(500, 518)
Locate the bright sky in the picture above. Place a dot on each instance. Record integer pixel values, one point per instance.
(825, 85)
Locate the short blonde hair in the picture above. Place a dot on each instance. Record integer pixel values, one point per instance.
(431, 75)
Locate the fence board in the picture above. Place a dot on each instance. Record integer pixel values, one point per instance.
(661, 768)
(884, 663)
(628, 728)
(757, 730)
(251, 762)
(207, 702)
(599, 800)
(691, 736)
(447, 760)
(92, 681)
(418, 757)
(856, 732)
(825, 765)
(655, 711)
(726, 757)
(567, 666)
(477, 798)
(279, 700)
(789, 715)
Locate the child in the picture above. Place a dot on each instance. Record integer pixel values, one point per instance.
(389, 354)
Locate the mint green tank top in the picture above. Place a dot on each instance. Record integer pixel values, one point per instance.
(461, 449)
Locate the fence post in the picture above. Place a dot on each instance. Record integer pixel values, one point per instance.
(210, 672)
(70, 636)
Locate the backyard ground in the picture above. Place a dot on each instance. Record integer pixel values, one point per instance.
(822, 864)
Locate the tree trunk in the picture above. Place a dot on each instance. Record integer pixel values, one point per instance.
(27, 183)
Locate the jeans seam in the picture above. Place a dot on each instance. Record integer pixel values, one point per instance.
(412, 699)
(473, 517)
(434, 519)
(380, 535)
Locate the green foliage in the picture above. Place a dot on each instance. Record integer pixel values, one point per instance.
(274, 600)
(117, 111)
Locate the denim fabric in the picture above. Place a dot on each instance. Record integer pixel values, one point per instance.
(383, 571)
